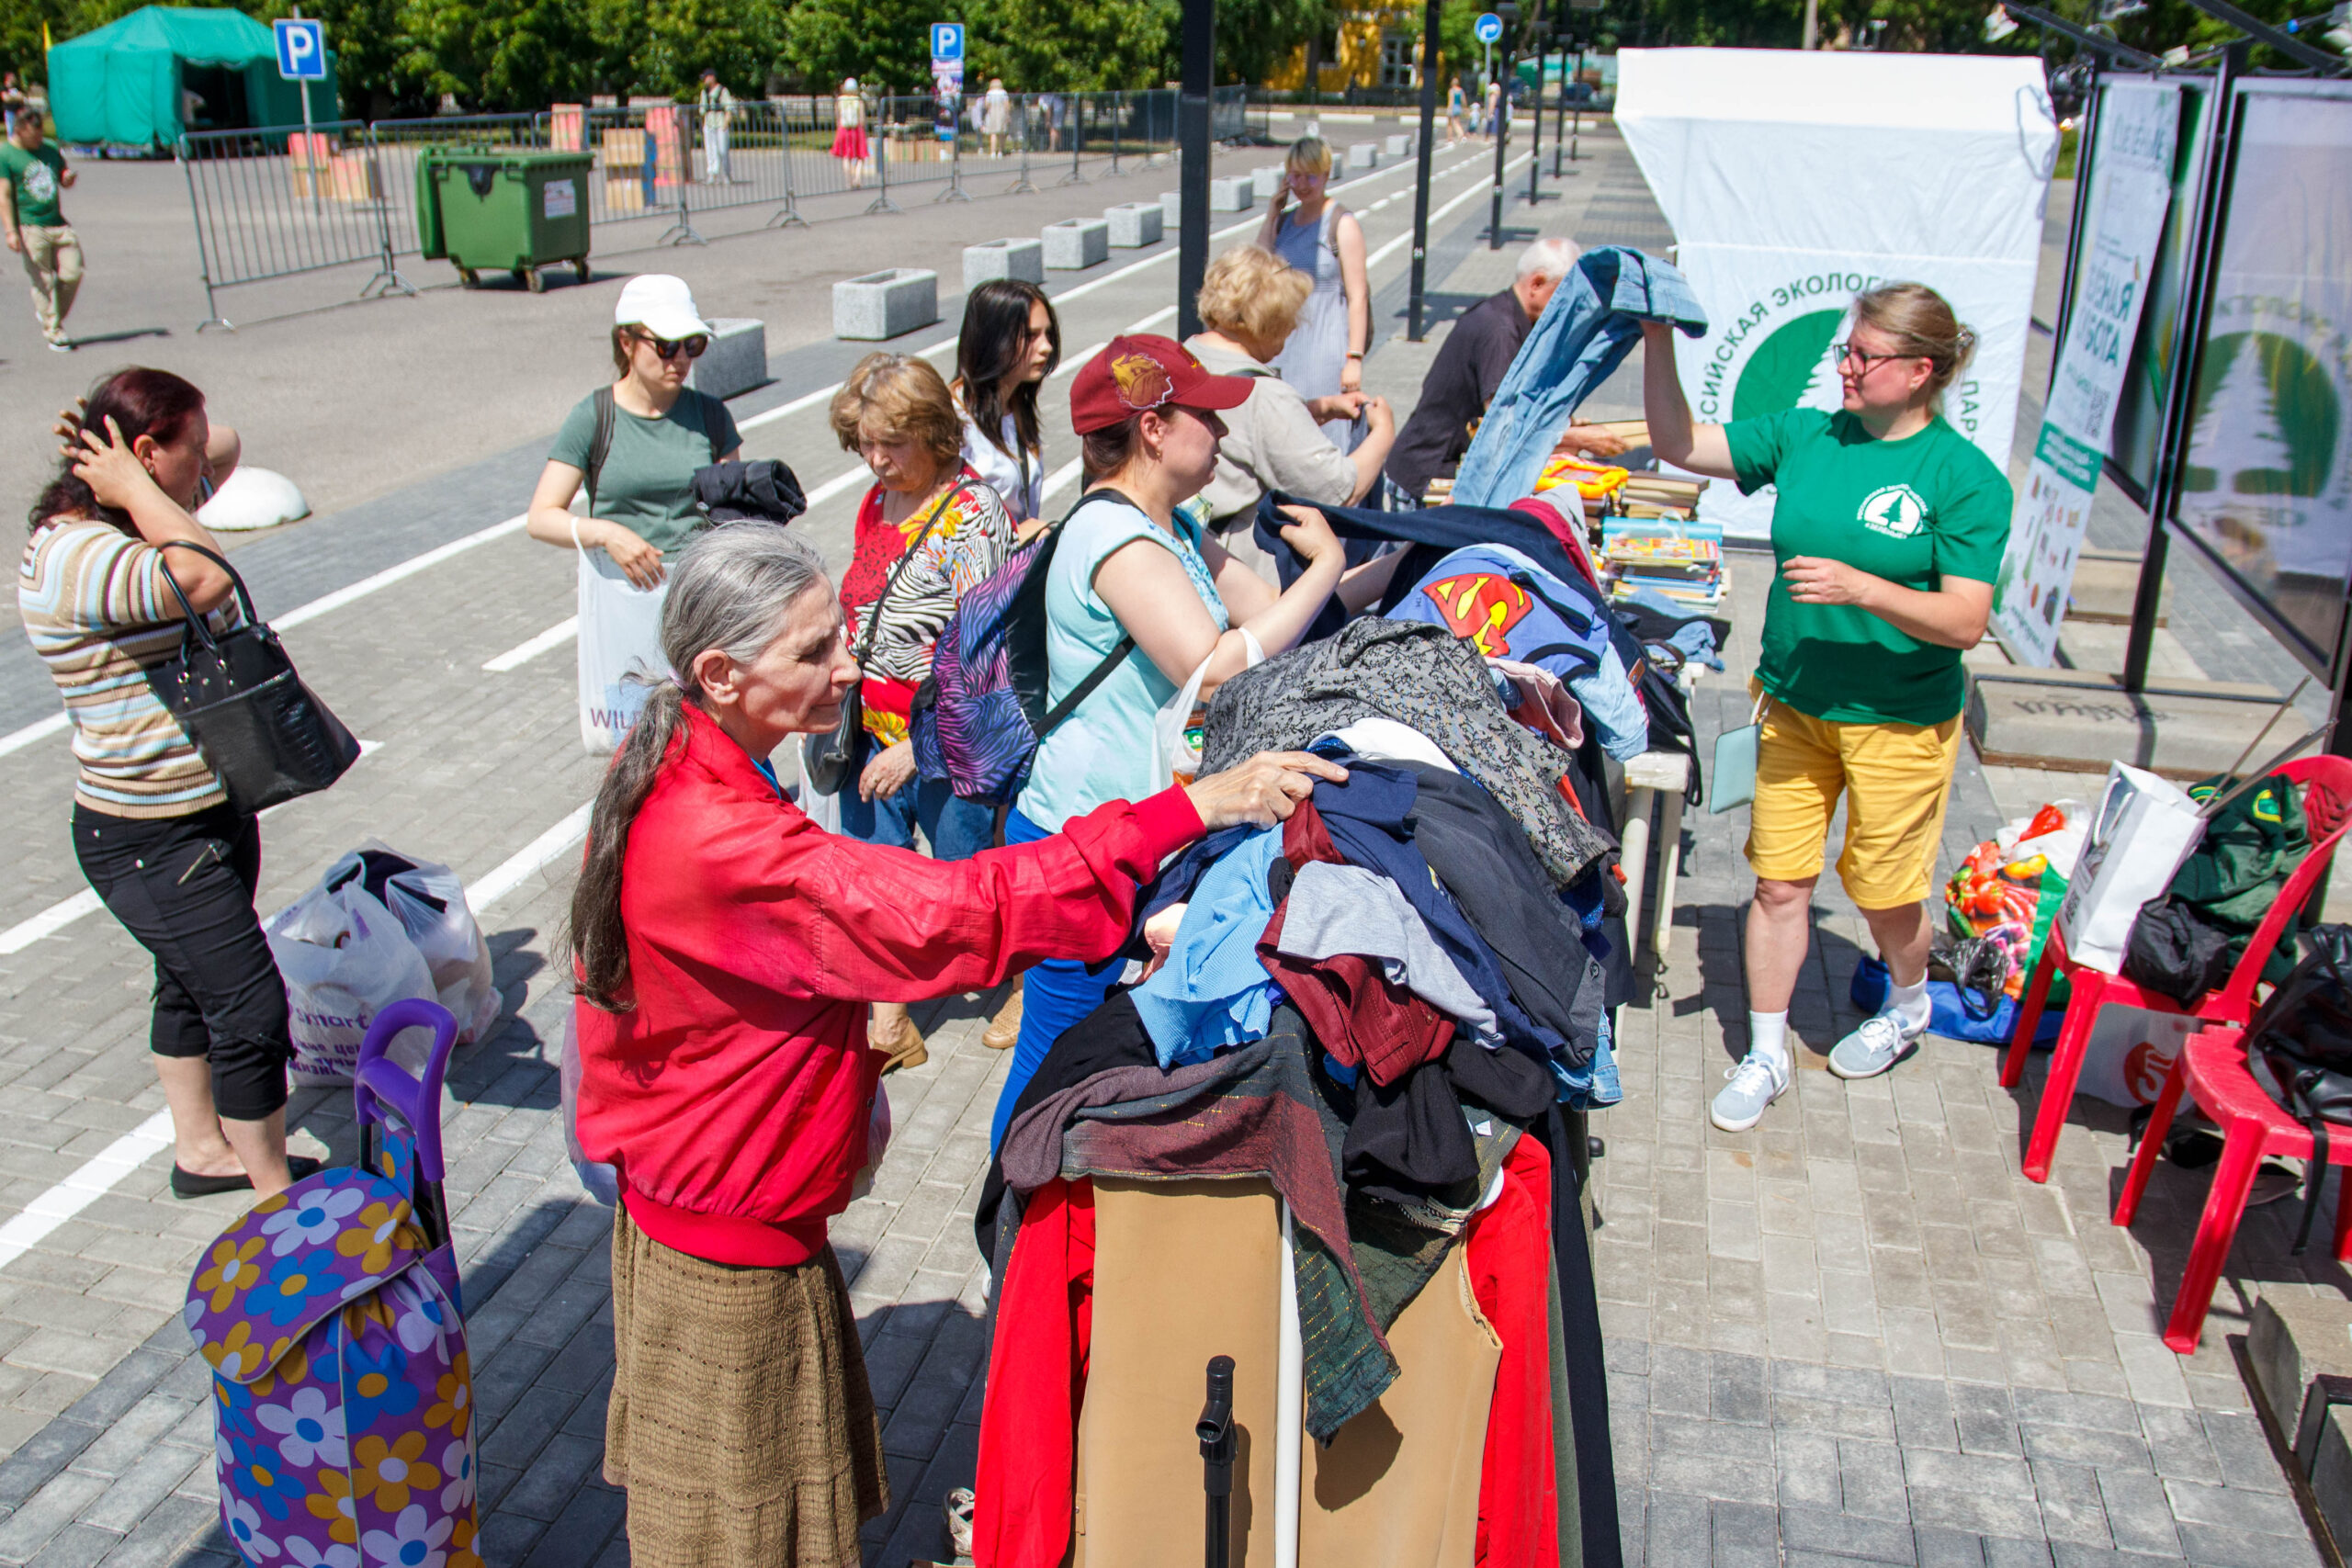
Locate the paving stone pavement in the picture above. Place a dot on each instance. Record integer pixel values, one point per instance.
(1855, 1334)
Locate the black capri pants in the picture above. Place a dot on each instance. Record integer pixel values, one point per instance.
(184, 887)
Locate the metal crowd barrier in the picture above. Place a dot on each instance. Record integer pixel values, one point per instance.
(281, 201)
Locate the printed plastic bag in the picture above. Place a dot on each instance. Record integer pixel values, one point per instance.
(1176, 729)
(345, 958)
(2010, 887)
(602, 1181)
(620, 634)
(430, 904)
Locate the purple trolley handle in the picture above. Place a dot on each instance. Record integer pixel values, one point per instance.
(382, 1084)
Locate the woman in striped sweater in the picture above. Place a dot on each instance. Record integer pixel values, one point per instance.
(152, 830)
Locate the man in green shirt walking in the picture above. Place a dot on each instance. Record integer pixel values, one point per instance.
(32, 174)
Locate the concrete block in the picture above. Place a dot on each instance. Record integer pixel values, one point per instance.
(1076, 243)
(1134, 224)
(2080, 720)
(885, 304)
(737, 359)
(1022, 259)
(2291, 1340)
(1268, 179)
(1362, 156)
(1171, 210)
(2105, 582)
(1236, 194)
(2331, 1473)
(1399, 146)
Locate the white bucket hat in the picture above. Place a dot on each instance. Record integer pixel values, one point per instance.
(662, 305)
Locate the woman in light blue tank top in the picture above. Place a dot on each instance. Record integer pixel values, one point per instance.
(1323, 240)
(1130, 564)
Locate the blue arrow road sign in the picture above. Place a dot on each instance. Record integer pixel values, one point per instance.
(301, 49)
(1489, 29)
(947, 41)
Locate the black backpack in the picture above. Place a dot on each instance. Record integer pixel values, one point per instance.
(2304, 1032)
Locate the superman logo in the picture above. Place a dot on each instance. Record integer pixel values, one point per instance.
(1479, 608)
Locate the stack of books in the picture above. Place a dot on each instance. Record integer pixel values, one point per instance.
(1678, 559)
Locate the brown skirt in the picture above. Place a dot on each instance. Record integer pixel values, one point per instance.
(741, 1423)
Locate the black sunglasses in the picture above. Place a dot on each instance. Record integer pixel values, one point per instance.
(1851, 350)
(691, 347)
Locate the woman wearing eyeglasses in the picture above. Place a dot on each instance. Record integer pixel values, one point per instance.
(642, 509)
(1888, 528)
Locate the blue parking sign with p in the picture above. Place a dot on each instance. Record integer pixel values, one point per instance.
(301, 49)
(947, 41)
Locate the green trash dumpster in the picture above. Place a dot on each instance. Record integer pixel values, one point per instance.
(493, 210)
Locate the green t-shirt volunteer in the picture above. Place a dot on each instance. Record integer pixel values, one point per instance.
(36, 183)
(1912, 511)
(647, 482)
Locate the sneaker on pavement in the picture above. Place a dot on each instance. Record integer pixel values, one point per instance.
(60, 345)
(1870, 1050)
(1755, 1084)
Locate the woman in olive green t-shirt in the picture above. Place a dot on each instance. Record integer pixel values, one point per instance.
(1888, 527)
(643, 501)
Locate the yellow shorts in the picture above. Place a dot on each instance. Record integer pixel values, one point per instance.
(1897, 779)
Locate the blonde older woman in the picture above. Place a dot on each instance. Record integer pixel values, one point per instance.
(1249, 304)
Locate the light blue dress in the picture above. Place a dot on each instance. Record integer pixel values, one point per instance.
(1317, 350)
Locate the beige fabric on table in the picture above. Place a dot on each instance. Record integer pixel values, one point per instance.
(741, 1423)
(1187, 1270)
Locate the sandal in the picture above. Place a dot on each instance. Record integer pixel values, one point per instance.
(955, 1510)
(1003, 1031)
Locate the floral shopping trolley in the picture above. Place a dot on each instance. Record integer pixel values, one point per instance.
(329, 1312)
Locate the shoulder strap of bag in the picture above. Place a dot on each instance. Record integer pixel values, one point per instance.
(1119, 650)
(872, 616)
(711, 409)
(600, 445)
(197, 622)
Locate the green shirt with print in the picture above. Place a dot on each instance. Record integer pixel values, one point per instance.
(36, 183)
(1914, 512)
(647, 483)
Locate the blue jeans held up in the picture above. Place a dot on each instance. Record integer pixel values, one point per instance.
(1055, 994)
(1593, 322)
(957, 828)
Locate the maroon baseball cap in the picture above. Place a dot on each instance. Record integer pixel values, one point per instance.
(1146, 371)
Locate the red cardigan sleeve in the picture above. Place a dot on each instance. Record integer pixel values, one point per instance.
(751, 893)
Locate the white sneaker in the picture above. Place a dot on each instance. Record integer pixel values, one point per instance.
(1755, 1084)
(1878, 1044)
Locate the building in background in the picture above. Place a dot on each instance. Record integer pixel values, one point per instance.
(1366, 47)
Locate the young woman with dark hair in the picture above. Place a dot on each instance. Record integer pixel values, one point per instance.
(1011, 340)
(724, 952)
(152, 830)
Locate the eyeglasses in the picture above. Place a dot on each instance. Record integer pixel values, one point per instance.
(691, 347)
(1852, 350)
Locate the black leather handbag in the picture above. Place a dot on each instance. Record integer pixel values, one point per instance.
(831, 758)
(266, 736)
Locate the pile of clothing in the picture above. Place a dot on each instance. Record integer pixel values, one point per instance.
(1385, 1013)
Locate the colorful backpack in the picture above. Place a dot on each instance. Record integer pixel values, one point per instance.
(979, 716)
(342, 1394)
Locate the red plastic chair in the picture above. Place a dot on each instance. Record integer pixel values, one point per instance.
(2327, 807)
(2213, 1069)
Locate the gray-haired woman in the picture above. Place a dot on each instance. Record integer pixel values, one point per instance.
(726, 949)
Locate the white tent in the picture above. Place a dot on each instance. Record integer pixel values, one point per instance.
(1794, 180)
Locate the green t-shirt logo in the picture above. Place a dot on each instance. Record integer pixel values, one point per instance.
(40, 184)
(1895, 510)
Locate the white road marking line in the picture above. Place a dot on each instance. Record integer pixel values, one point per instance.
(823, 394)
(1406, 238)
(391, 574)
(92, 1181)
(1059, 479)
(520, 866)
(1164, 314)
(523, 652)
(39, 729)
(65, 911)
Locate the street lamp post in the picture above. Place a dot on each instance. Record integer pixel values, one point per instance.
(1193, 180)
(1421, 178)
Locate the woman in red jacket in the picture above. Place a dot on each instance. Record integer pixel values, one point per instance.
(725, 948)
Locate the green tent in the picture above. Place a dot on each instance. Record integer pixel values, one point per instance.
(124, 83)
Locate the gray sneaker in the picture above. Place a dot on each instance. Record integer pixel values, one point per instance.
(1755, 1084)
(1870, 1050)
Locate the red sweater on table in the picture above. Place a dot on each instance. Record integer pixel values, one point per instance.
(732, 1096)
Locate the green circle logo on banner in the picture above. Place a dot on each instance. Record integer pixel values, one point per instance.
(1785, 364)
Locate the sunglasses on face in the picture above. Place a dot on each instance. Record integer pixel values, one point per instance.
(691, 347)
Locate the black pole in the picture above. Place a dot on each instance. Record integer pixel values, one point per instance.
(1421, 178)
(1192, 181)
(1502, 147)
(1536, 133)
(1215, 1429)
(2086, 152)
(2181, 390)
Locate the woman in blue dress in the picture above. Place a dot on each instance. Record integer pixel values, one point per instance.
(1322, 239)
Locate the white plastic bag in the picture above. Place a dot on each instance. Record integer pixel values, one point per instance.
(1178, 759)
(825, 810)
(602, 1181)
(430, 904)
(878, 1143)
(345, 957)
(2145, 828)
(2129, 1054)
(620, 634)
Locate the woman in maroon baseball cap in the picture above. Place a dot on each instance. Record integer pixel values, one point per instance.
(1134, 583)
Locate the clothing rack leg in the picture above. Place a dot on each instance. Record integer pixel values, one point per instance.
(1290, 1408)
